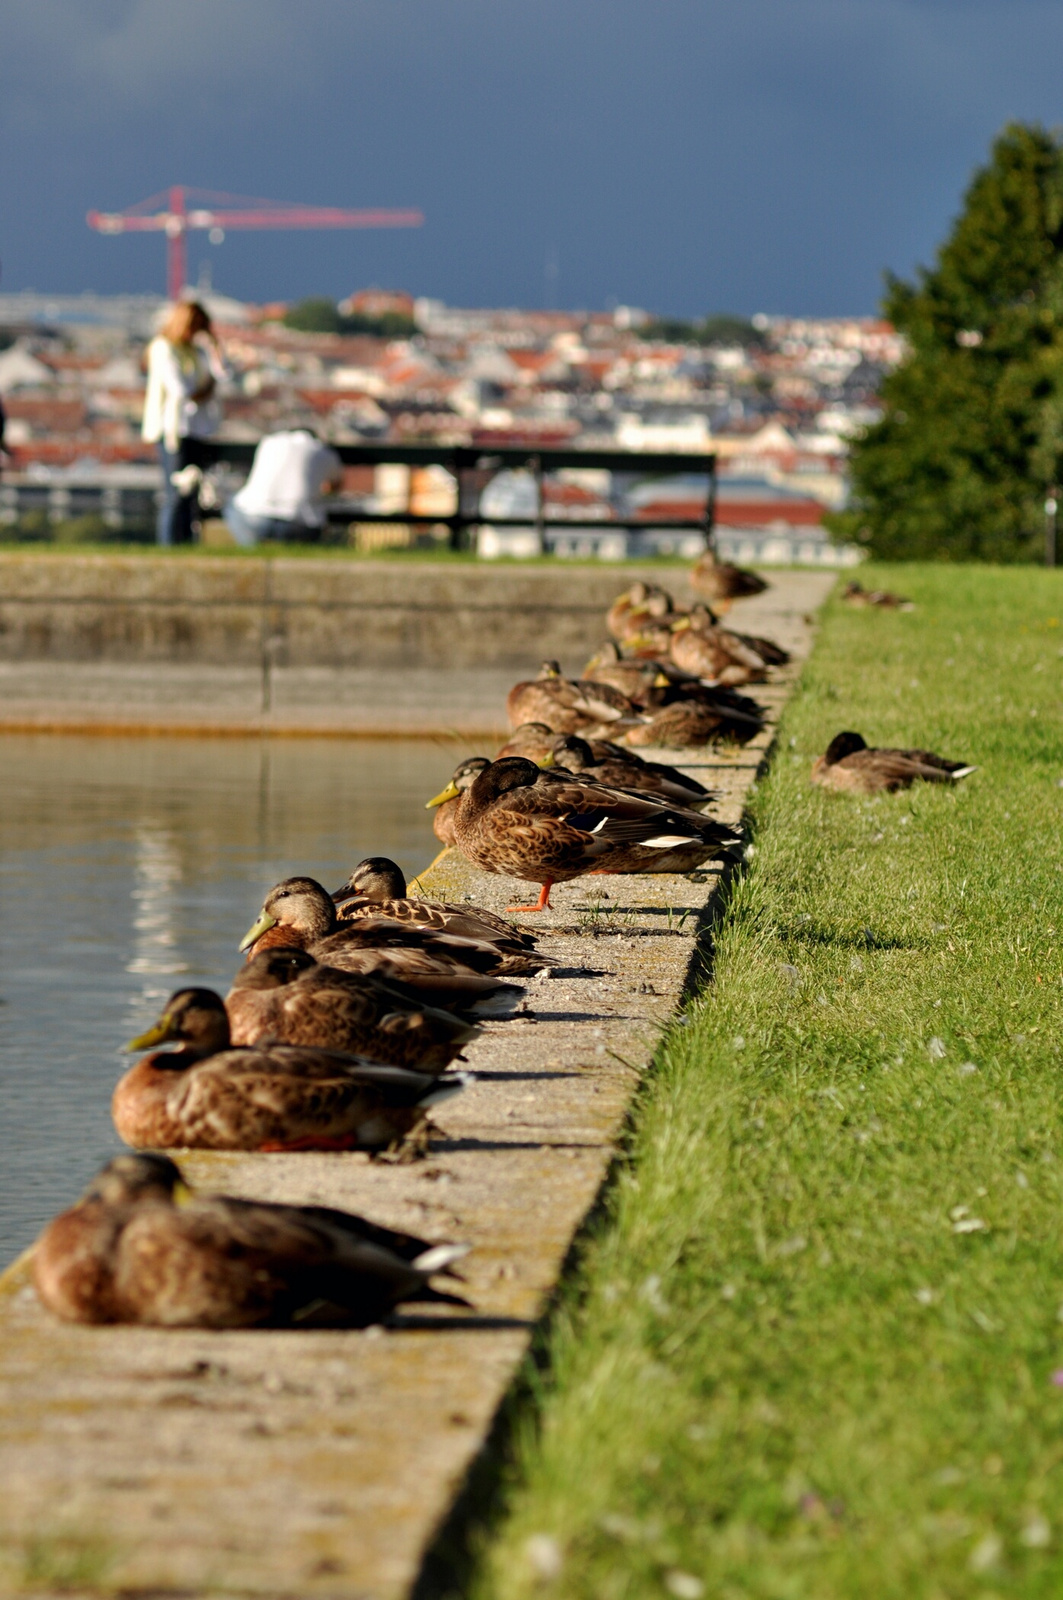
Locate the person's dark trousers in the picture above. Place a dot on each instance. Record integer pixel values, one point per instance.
(179, 513)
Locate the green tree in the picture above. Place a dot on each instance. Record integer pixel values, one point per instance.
(972, 428)
(719, 329)
(318, 315)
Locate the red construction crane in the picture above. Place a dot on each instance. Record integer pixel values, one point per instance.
(171, 213)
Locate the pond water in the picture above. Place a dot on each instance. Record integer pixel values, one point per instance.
(131, 866)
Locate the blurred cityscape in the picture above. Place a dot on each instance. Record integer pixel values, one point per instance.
(777, 399)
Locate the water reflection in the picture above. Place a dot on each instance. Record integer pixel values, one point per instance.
(128, 866)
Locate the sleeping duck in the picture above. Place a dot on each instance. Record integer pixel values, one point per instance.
(721, 583)
(141, 1247)
(623, 769)
(285, 996)
(848, 765)
(565, 704)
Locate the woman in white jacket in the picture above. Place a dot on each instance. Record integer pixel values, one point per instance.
(179, 410)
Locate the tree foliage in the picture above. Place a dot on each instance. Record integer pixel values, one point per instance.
(721, 328)
(319, 315)
(972, 428)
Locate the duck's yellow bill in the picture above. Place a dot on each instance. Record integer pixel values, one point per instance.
(548, 760)
(257, 929)
(451, 792)
(662, 681)
(155, 1035)
(182, 1194)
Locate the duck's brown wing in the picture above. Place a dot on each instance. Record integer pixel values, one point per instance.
(772, 654)
(398, 1032)
(608, 816)
(870, 770)
(242, 1099)
(644, 779)
(467, 922)
(927, 758)
(385, 933)
(435, 980)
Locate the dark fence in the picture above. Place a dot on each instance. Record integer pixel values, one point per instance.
(473, 467)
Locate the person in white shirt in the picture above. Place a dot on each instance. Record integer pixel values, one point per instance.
(283, 497)
(184, 369)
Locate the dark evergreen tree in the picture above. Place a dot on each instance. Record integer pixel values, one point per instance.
(972, 429)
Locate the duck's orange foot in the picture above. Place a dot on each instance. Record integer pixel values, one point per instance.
(543, 902)
(311, 1141)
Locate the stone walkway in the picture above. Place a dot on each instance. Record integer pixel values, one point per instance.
(321, 1464)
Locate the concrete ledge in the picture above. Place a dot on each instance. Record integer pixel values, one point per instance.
(310, 612)
(322, 1463)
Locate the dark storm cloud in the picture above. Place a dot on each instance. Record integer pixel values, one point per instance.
(685, 154)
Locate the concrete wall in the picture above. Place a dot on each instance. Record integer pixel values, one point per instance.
(305, 612)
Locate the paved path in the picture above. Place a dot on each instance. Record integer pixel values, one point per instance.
(320, 1464)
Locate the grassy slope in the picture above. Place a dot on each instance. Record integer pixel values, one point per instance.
(782, 1369)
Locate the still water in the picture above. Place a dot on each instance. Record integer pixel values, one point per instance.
(129, 867)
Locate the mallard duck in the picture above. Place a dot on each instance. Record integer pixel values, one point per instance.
(641, 603)
(301, 913)
(141, 1247)
(285, 996)
(566, 705)
(849, 765)
(723, 584)
(622, 769)
(377, 888)
(646, 683)
(521, 821)
(719, 655)
(210, 1095)
(855, 594)
(532, 740)
(689, 722)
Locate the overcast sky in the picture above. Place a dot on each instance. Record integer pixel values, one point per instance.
(685, 155)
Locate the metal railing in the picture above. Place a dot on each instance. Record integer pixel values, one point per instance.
(474, 466)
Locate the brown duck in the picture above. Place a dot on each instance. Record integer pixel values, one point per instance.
(646, 683)
(299, 912)
(546, 829)
(209, 1095)
(856, 595)
(377, 888)
(622, 769)
(687, 723)
(140, 1247)
(849, 766)
(286, 997)
(722, 584)
(532, 740)
(642, 603)
(567, 705)
(704, 650)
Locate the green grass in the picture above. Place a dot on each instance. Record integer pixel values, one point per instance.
(809, 1349)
